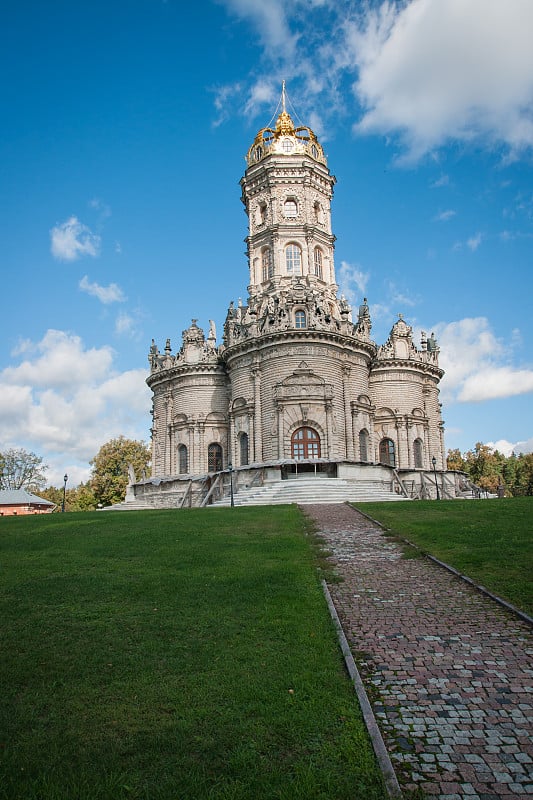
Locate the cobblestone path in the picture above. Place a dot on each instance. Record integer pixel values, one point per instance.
(448, 671)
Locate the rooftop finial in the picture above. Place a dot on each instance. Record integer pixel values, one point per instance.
(284, 123)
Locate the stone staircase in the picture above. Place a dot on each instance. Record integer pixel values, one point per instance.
(308, 490)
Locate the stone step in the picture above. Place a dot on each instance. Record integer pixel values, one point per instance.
(307, 491)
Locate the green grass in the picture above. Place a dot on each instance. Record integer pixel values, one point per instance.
(491, 541)
(173, 656)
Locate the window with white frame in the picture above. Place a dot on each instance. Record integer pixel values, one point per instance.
(293, 260)
(299, 319)
(317, 259)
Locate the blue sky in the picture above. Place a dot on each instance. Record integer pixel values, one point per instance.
(123, 132)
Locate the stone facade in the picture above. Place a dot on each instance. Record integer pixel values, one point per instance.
(297, 377)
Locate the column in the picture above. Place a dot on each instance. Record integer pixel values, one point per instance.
(202, 460)
(258, 428)
(329, 433)
(280, 432)
(348, 428)
(402, 459)
(231, 444)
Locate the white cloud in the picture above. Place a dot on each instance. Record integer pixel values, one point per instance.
(427, 71)
(106, 294)
(262, 93)
(99, 205)
(476, 363)
(72, 239)
(505, 447)
(495, 382)
(397, 297)
(352, 281)
(474, 242)
(66, 401)
(125, 325)
(269, 19)
(444, 180)
(433, 71)
(445, 216)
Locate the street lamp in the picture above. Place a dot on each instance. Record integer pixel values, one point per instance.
(65, 479)
(231, 500)
(434, 462)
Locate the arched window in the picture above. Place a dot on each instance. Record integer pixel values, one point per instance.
(183, 460)
(317, 208)
(387, 452)
(290, 208)
(214, 457)
(243, 444)
(418, 452)
(299, 319)
(363, 445)
(293, 260)
(305, 443)
(266, 264)
(318, 262)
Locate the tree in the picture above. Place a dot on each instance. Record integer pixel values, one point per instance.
(22, 470)
(79, 498)
(455, 460)
(524, 474)
(110, 468)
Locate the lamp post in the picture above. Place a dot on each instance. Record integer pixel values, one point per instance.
(434, 462)
(65, 479)
(231, 500)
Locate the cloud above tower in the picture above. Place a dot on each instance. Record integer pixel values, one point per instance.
(422, 71)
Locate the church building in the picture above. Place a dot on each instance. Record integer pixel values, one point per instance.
(297, 385)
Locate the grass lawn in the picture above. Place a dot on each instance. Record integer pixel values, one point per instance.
(173, 656)
(491, 541)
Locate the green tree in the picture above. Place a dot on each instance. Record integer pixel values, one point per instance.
(82, 498)
(54, 495)
(456, 461)
(485, 466)
(79, 498)
(524, 474)
(110, 468)
(22, 470)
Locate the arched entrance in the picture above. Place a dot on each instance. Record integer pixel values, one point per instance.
(305, 443)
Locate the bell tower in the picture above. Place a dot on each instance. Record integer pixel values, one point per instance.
(287, 190)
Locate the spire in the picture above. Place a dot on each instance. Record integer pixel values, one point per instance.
(284, 123)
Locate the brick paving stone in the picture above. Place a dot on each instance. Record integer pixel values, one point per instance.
(447, 670)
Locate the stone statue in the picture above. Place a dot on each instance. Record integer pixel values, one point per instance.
(432, 344)
(131, 475)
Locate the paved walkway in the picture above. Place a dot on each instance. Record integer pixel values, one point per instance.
(448, 671)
